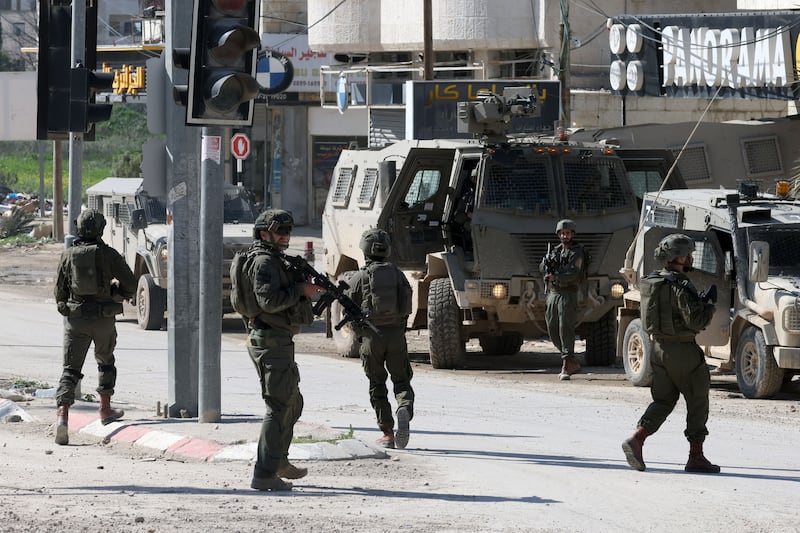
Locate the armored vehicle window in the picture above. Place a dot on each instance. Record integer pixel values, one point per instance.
(784, 247)
(237, 208)
(705, 260)
(521, 185)
(594, 184)
(424, 187)
(366, 197)
(155, 210)
(344, 183)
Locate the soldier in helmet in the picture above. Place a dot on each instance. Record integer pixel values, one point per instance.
(564, 271)
(284, 301)
(92, 282)
(673, 313)
(384, 294)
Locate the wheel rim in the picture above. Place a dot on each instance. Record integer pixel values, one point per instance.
(635, 353)
(141, 303)
(749, 364)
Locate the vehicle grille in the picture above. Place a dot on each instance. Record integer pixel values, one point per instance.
(534, 247)
(791, 319)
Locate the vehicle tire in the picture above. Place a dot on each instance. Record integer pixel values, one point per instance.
(637, 354)
(151, 303)
(345, 338)
(447, 348)
(757, 373)
(601, 341)
(507, 344)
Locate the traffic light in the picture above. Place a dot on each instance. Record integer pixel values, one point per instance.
(53, 76)
(222, 70)
(83, 111)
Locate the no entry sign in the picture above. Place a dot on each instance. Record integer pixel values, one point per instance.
(240, 146)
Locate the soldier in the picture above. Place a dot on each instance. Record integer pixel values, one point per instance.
(564, 271)
(384, 294)
(284, 307)
(673, 313)
(92, 282)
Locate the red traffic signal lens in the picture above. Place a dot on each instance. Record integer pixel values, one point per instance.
(230, 7)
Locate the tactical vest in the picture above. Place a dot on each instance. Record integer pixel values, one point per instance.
(656, 304)
(85, 273)
(243, 297)
(386, 294)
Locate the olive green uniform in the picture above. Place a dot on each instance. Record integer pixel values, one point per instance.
(678, 363)
(90, 318)
(386, 351)
(284, 310)
(561, 312)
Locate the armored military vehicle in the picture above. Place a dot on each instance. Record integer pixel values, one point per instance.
(748, 244)
(475, 274)
(137, 228)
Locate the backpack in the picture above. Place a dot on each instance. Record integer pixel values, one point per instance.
(655, 307)
(84, 273)
(243, 297)
(387, 295)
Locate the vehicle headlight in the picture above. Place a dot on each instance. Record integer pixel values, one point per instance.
(791, 319)
(617, 290)
(499, 291)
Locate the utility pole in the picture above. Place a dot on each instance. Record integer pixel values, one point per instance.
(563, 65)
(427, 40)
(78, 49)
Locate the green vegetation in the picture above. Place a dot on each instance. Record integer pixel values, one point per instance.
(18, 223)
(117, 151)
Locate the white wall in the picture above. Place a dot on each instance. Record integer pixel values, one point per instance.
(17, 106)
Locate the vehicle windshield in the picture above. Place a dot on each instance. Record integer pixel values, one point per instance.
(155, 210)
(238, 208)
(784, 247)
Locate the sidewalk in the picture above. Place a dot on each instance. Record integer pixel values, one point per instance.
(234, 438)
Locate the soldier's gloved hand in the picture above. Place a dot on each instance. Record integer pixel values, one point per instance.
(63, 310)
(709, 295)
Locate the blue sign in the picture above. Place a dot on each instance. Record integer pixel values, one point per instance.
(341, 93)
(270, 72)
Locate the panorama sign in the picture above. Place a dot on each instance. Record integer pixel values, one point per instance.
(748, 55)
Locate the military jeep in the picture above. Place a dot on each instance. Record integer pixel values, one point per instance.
(137, 228)
(747, 243)
(479, 278)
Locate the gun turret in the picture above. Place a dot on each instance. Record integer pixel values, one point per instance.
(490, 116)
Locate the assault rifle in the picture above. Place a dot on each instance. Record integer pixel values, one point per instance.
(350, 311)
(551, 265)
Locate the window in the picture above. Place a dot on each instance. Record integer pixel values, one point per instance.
(343, 186)
(693, 163)
(762, 156)
(368, 189)
(520, 185)
(593, 184)
(423, 188)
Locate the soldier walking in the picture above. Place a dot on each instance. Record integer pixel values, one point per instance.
(673, 313)
(92, 282)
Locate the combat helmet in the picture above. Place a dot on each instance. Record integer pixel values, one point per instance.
(375, 243)
(276, 220)
(90, 224)
(566, 224)
(673, 246)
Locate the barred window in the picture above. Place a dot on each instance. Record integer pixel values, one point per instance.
(343, 186)
(594, 184)
(366, 197)
(425, 185)
(523, 185)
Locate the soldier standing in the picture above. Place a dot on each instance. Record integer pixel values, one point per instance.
(92, 282)
(564, 271)
(284, 307)
(384, 295)
(673, 313)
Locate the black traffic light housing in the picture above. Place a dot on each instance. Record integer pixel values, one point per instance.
(222, 69)
(83, 111)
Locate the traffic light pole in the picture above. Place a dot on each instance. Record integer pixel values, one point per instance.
(211, 219)
(76, 138)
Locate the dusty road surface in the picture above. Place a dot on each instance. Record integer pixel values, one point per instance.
(499, 446)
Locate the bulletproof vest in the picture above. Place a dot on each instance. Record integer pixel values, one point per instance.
(85, 271)
(243, 298)
(386, 299)
(656, 304)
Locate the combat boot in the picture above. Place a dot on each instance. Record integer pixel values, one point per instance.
(289, 471)
(697, 461)
(387, 441)
(568, 367)
(62, 425)
(107, 413)
(273, 483)
(633, 449)
(403, 431)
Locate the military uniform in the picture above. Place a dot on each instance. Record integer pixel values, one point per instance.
(385, 354)
(91, 283)
(284, 309)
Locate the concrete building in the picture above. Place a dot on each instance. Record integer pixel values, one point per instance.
(18, 29)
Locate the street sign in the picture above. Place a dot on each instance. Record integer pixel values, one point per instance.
(240, 146)
(341, 92)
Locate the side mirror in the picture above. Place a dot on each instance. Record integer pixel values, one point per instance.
(138, 220)
(759, 261)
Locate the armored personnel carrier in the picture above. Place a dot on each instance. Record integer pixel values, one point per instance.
(475, 272)
(748, 245)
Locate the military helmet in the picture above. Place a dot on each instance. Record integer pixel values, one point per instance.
(673, 246)
(90, 224)
(566, 224)
(276, 220)
(375, 243)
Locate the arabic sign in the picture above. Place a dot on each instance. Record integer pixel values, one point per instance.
(747, 56)
(305, 61)
(433, 107)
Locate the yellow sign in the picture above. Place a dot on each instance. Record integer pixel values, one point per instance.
(127, 80)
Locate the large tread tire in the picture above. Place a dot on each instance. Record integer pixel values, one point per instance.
(601, 341)
(637, 354)
(151, 303)
(447, 348)
(507, 344)
(757, 372)
(345, 338)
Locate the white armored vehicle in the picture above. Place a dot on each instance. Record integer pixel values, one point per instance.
(748, 245)
(137, 228)
(479, 277)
